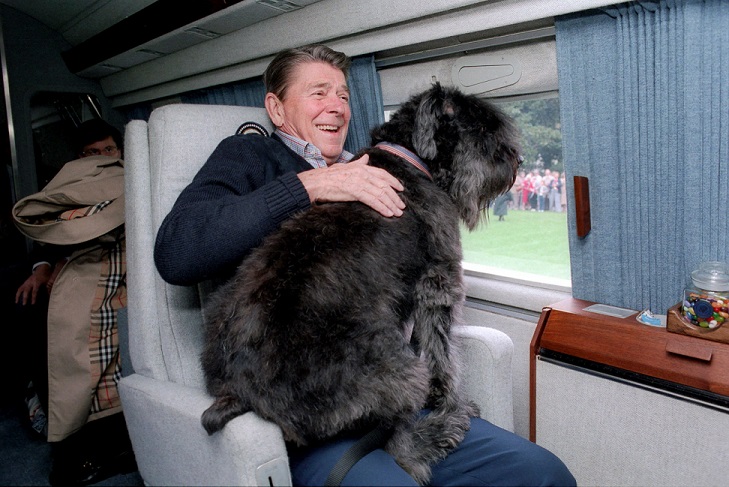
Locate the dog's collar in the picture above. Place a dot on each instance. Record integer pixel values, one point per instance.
(403, 153)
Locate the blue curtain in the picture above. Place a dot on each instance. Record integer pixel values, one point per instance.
(250, 93)
(644, 95)
(366, 102)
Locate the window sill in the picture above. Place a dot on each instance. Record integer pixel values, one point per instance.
(512, 290)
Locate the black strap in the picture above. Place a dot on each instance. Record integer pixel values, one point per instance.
(368, 443)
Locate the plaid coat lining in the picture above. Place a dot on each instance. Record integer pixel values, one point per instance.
(103, 337)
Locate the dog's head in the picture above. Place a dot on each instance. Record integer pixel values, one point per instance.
(470, 146)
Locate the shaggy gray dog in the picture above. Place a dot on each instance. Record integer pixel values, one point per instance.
(311, 333)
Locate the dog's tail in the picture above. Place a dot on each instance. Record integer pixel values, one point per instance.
(221, 411)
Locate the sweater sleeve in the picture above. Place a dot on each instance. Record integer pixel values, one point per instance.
(244, 191)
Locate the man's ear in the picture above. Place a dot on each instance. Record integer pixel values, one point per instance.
(275, 109)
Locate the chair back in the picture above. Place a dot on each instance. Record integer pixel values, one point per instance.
(162, 156)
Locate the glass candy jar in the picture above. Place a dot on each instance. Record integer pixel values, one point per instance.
(706, 303)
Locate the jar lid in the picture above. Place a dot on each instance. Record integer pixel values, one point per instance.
(711, 276)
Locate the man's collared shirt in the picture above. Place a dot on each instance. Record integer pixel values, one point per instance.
(309, 151)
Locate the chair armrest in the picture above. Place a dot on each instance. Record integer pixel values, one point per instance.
(486, 373)
(172, 448)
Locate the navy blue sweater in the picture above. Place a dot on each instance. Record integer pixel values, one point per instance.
(245, 190)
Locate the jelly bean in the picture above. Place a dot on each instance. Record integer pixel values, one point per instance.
(703, 308)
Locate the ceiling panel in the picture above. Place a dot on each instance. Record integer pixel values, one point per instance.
(78, 20)
(109, 35)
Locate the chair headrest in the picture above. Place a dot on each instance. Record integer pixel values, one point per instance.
(252, 128)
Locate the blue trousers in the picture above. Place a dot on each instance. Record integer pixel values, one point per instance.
(488, 455)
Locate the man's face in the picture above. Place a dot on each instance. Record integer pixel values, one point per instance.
(105, 147)
(315, 108)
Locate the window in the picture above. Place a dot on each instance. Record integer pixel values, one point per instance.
(525, 234)
(524, 247)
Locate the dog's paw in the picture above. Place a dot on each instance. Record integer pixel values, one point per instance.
(410, 453)
(472, 410)
(420, 472)
(220, 412)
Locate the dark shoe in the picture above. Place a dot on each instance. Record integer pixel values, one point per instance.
(84, 471)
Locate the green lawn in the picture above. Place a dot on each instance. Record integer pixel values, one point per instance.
(526, 241)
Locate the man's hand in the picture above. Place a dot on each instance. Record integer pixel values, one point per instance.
(56, 270)
(40, 277)
(355, 181)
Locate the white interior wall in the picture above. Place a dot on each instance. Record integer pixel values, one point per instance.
(614, 432)
(535, 61)
(520, 331)
(511, 307)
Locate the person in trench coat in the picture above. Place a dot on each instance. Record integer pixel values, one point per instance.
(80, 214)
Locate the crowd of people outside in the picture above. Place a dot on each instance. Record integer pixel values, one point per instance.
(534, 190)
(539, 191)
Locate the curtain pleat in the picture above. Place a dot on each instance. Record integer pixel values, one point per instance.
(644, 98)
(365, 101)
(250, 93)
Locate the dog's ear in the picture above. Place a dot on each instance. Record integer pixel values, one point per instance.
(469, 181)
(486, 157)
(431, 108)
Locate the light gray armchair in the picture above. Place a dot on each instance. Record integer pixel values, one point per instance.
(165, 396)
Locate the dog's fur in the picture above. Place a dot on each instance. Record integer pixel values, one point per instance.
(311, 332)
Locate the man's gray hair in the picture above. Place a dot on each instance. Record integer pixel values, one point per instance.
(278, 74)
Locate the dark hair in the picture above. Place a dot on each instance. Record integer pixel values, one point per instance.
(278, 74)
(95, 130)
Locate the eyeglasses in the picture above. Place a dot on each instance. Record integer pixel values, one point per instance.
(107, 151)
